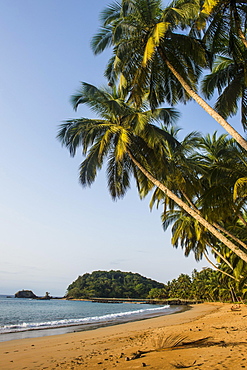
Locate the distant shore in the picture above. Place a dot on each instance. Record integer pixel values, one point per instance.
(113, 347)
(175, 302)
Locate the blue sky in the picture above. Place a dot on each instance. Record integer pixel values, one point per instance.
(51, 229)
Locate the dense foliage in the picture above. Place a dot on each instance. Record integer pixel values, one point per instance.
(112, 284)
(160, 55)
(204, 285)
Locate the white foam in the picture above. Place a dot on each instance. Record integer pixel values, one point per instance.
(79, 321)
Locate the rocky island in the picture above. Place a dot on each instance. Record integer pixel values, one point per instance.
(29, 294)
(25, 294)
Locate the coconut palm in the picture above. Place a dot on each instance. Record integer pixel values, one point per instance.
(126, 138)
(181, 169)
(205, 284)
(209, 185)
(222, 163)
(224, 19)
(205, 181)
(150, 56)
(192, 237)
(229, 77)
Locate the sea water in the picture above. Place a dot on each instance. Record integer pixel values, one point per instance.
(25, 318)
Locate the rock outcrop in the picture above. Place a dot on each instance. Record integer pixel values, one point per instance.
(25, 294)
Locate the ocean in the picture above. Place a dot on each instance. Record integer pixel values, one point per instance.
(28, 318)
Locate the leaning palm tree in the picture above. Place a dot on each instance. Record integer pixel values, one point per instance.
(126, 138)
(205, 181)
(150, 54)
(221, 163)
(121, 132)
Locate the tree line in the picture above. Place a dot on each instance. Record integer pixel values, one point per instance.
(204, 285)
(166, 55)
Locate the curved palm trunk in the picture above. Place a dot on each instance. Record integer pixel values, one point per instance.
(216, 268)
(190, 211)
(230, 235)
(216, 116)
(221, 257)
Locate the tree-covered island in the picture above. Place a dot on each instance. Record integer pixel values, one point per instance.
(112, 284)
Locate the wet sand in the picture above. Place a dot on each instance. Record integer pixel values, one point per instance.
(116, 347)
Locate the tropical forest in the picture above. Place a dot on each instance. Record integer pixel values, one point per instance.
(162, 56)
(206, 285)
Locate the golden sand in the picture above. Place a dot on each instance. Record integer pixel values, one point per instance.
(116, 347)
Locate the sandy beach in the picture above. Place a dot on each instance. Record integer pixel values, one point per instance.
(136, 345)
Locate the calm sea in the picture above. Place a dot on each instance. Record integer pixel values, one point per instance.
(26, 318)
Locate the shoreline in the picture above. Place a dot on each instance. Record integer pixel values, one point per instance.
(112, 347)
(79, 327)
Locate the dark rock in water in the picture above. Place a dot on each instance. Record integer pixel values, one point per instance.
(25, 294)
(47, 296)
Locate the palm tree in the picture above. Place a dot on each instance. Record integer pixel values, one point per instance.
(192, 237)
(114, 136)
(131, 144)
(222, 163)
(205, 284)
(209, 191)
(205, 181)
(229, 77)
(224, 19)
(150, 56)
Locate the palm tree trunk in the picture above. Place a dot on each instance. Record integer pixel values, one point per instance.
(215, 224)
(242, 219)
(216, 268)
(230, 235)
(237, 21)
(189, 210)
(221, 257)
(216, 116)
(242, 38)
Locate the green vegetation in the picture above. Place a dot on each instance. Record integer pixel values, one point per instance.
(112, 284)
(205, 285)
(165, 56)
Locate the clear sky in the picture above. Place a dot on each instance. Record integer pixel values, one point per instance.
(51, 229)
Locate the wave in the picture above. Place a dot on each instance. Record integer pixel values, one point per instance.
(109, 318)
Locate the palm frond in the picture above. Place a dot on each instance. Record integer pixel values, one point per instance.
(118, 175)
(240, 188)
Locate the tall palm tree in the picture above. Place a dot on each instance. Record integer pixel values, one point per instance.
(151, 56)
(126, 138)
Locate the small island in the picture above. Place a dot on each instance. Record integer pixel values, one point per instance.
(29, 294)
(25, 294)
(112, 284)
